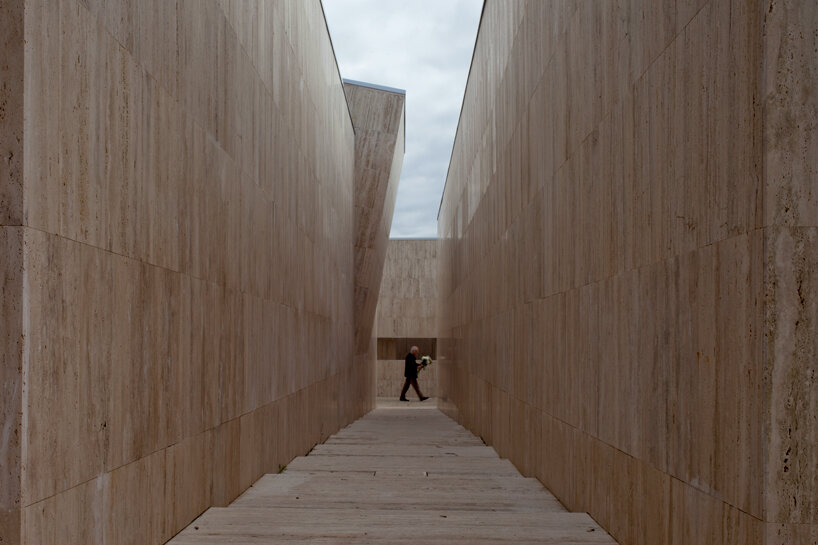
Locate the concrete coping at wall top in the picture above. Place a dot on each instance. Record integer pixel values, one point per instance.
(375, 86)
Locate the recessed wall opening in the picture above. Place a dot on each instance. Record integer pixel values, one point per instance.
(397, 349)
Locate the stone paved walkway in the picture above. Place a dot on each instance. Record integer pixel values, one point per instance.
(402, 474)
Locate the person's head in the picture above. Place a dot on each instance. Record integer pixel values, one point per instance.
(414, 351)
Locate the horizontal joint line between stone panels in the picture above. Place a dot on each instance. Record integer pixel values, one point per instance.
(182, 440)
(707, 493)
(139, 261)
(615, 448)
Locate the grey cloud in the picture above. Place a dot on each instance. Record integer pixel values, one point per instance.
(425, 47)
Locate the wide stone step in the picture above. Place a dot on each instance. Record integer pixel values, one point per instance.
(307, 524)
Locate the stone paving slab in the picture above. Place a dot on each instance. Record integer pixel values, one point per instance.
(469, 466)
(231, 525)
(401, 493)
(335, 449)
(407, 474)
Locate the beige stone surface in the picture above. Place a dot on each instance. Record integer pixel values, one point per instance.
(784, 534)
(626, 242)
(12, 62)
(791, 365)
(407, 309)
(11, 381)
(143, 482)
(626, 267)
(378, 116)
(187, 212)
(407, 305)
(75, 516)
(791, 218)
(791, 113)
(398, 475)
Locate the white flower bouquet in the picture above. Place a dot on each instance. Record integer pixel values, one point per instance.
(425, 362)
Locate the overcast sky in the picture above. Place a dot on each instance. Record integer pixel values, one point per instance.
(424, 47)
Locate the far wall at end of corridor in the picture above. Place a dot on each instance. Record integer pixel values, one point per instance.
(407, 312)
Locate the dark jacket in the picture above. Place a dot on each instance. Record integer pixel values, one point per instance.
(410, 370)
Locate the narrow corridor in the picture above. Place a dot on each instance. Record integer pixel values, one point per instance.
(402, 474)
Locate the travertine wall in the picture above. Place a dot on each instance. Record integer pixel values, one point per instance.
(389, 374)
(378, 115)
(176, 229)
(407, 309)
(628, 252)
(11, 265)
(407, 304)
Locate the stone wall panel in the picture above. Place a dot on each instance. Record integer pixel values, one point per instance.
(378, 115)
(11, 377)
(12, 119)
(606, 234)
(791, 51)
(187, 233)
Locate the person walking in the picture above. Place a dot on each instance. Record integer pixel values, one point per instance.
(410, 371)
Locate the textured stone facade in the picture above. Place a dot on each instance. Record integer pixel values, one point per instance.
(178, 234)
(407, 313)
(628, 248)
(379, 117)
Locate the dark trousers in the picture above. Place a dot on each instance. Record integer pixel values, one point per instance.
(414, 383)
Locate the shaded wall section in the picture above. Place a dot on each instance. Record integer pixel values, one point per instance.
(627, 262)
(178, 237)
(12, 54)
(378, 115)
(407, 313)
